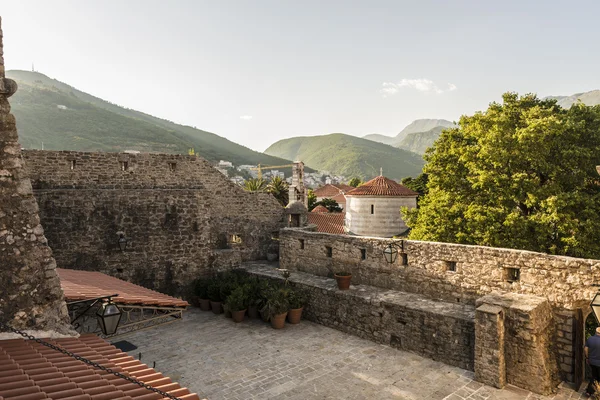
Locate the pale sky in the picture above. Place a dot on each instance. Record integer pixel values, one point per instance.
(259, 71)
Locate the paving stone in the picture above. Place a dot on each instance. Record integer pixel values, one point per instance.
(222, 360)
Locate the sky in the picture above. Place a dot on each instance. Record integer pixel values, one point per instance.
(259, 71)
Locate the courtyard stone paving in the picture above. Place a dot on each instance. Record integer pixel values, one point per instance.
(220, 359)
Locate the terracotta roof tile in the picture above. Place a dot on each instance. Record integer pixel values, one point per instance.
(340, 198)
(381, 186)
(37, 372)
(328, 222)
(82, 285)
(320, 209)
(331, 190)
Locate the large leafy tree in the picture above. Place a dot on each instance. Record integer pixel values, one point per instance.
(312, 199)
(330, 204)
(418, 184)
(279, 188)
(519, 175)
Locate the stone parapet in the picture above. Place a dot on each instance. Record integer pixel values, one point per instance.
(438, 330)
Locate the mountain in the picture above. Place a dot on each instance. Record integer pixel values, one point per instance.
(590, 98)
(418, 142)
(64, 118)
(419, 125)
(349, 156)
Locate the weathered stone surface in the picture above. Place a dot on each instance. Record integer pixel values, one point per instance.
(30, 293)
(177, 211)
(439, 330)
(490, 366)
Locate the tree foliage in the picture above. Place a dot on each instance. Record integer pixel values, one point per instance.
(312, 199)
(418, 184)
(519, 175)
(330, 204)
(255, 185)
(355, 182)
(279, 188)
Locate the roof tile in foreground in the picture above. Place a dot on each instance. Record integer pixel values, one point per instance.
(84, 285)
(31, 371)
(328, 222)
(382, 186)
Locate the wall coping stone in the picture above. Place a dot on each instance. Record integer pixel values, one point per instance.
(489, 309)
(369, 294)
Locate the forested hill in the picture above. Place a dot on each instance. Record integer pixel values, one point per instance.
(64, 118)
(349, 155)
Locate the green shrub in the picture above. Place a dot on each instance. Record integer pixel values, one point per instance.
(276, 303)
(238, 299)
(296, 298)
(201, 287)
(214, 290)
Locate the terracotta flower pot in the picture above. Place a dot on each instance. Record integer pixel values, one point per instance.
(278, 321)
(216, 307)
(238, 316)
(252, 312)
(204, 304)
(343, 281)
(294, 315)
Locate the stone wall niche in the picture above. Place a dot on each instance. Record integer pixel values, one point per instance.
(514, 342)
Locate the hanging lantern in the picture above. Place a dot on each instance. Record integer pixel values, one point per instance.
(596, 307)
(108, 316)
(122, 242)
(391, 253)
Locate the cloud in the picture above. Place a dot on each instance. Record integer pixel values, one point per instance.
(421, 84)
(246, 117)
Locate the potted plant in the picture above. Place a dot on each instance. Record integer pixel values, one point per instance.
(296, 300)
(237, 302)
(276, 307)
(201, 294)
(343, 280)
(264, 291)
(227, 286)
(214, 295)
(254, 298)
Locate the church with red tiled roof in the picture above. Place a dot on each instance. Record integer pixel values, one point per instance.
(333, 191)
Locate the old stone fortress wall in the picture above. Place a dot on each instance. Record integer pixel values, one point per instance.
(182, 218)
(511, 316)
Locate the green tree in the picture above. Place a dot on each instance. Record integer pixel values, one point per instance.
(312, 200)
(255, 185)
(418, 184)
(279, 189)
(355, 182)
(519, 175)
(330, 205)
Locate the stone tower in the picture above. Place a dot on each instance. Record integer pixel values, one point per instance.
(30, 292)
(297, 190)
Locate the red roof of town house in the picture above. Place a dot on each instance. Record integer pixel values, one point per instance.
(328, 222)
(382, 186)
(31, 371)
(320, 209)
(340, 198)
(84, 285)
(331, 190)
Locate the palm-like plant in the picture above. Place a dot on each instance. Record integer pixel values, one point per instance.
(255, 185)
(279, 189)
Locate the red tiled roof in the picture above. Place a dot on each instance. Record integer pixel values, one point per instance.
(83, 285)
(328, 223)
(331, 190)
(320, 209)
(381, 186)
(340, 198)
(30, 371)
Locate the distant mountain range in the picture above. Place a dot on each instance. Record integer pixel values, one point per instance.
(419, 125)
(349, 155)
(64, 118)
(590, 98)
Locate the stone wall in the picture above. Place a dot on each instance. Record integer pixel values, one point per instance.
(513, 342)
(441, 331)
(178, 213)
(454, 272)
(30, 292)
